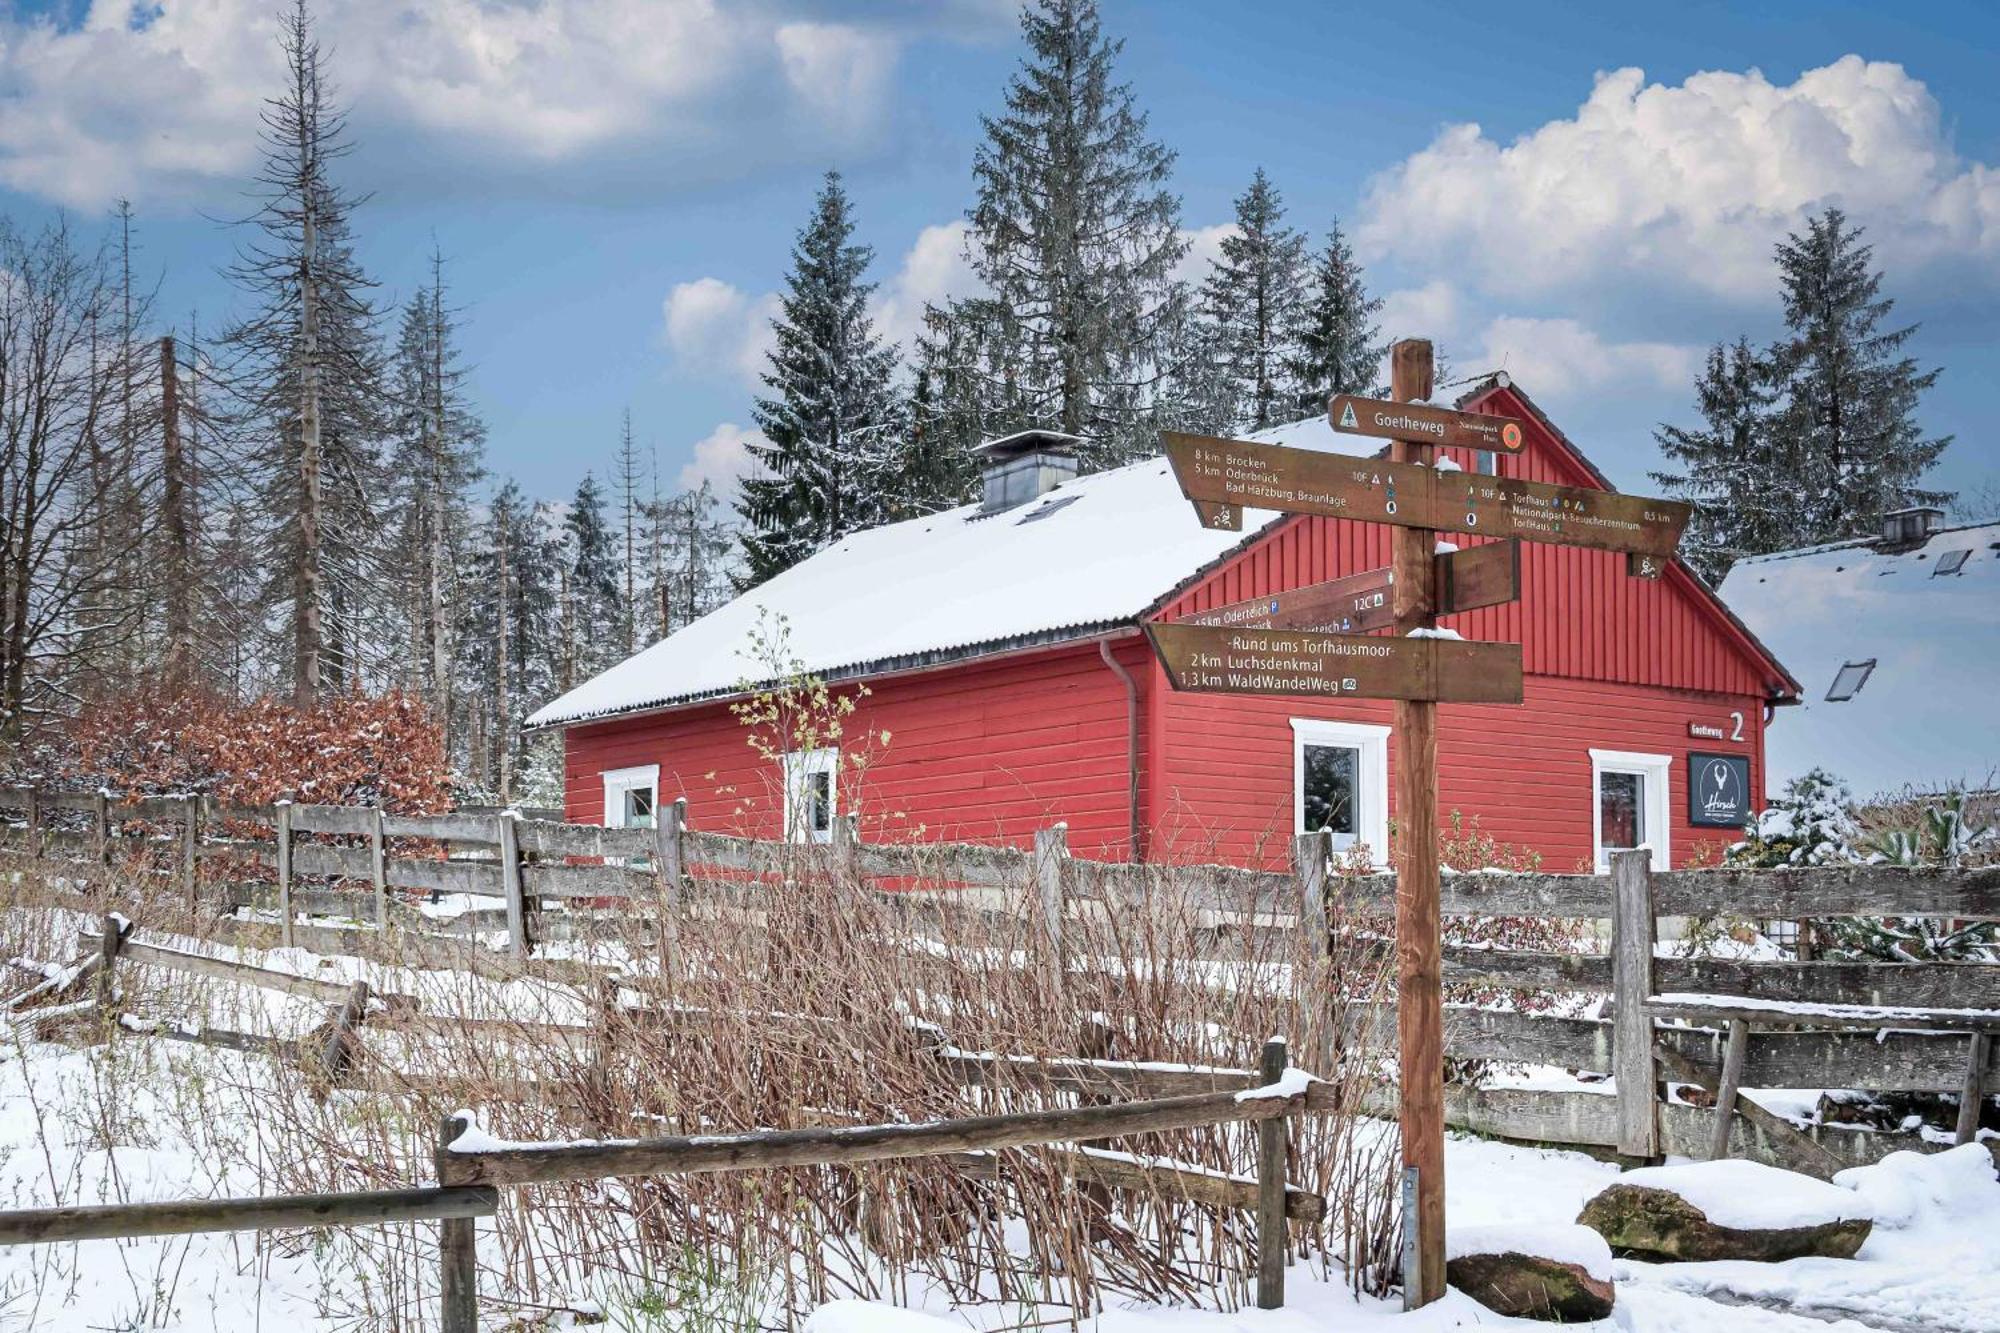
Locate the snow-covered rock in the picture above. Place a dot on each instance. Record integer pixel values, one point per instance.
(1728, 1210)
(1559, 1272)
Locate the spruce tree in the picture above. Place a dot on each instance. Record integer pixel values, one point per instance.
(833, 419)
(1254, 299)
(1726, 467)
(438, 440)
(1336, 348)
(697, 542)
(1849, 397)
(593, 619)
(307, 369)
(1075, 236)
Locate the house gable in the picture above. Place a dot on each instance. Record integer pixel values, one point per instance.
(1580, 614)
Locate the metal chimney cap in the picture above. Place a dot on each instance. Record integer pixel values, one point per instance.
(1021, 441)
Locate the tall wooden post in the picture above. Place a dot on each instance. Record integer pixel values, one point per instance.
(35, 822)
(670, 865)
(100, 814)
(378, 869)
(1419, 945)
(1051, 850)
(284, 829)
(1310, 853)
(1271, 1154)
(458, 1255)
(509, 842)
(191, 849)
(1419, 948)
(1632, 931)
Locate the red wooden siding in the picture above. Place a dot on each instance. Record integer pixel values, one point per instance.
(980, 752)
(990, 751)
(1226, 773)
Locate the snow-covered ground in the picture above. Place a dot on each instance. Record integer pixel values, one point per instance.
(1933, 1262)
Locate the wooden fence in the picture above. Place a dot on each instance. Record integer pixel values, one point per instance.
(1721, 1023)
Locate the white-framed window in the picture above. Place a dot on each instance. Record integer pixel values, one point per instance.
(1340, 783)
(812, 790)
(1629, 806)
(631, 796)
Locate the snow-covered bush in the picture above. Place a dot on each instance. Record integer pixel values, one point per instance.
(1811, 823)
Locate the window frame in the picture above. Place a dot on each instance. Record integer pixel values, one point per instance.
(1371, 775)
(1656, 813)
(796, 766)
(619, 781)
(1866, 666)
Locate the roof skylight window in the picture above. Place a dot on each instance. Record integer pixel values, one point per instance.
(1060, 502)
(1950, 563)
(1847, 682)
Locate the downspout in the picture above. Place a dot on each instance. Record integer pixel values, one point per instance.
(1131, 743)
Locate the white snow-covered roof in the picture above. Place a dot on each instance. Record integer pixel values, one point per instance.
(1927, 716)
(1095, 552)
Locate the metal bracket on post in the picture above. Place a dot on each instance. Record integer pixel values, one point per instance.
(1413, 1287)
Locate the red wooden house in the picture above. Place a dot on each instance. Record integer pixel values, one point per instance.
(1008, 685)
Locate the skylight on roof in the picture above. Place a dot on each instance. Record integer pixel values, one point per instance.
(1950, 562)
(1060, 502)
(1847, 682)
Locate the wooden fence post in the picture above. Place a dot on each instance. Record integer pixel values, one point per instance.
(509, 839)
(1727, 1088)
(1973, 1094)
(100, 809)
(1051, 850)
(114, 928)
(458, 1254)
(1271, 1143)
(191, 849)
(846, 867)
(670, 868)
(1632, 930)
(337, 1051)
(378, 869)
(284, 827)
(1310, 853)
(35, 822)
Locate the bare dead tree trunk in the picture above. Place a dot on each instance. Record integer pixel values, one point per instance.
(174, 493)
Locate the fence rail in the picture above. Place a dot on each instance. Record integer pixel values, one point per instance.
(544, 877)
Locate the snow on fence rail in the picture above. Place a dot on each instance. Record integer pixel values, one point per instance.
(527, 865)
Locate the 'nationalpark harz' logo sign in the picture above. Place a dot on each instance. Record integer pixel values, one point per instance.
(1719, 790)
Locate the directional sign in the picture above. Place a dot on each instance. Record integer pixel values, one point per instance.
(1430, 425)
(1478, 576)
(1347, 605)
(1209, 660)
(1306, 481)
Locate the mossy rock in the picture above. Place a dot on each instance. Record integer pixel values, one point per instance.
(1528, 1286)
(1656, 1224)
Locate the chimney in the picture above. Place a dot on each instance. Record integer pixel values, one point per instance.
(1024, 466)
(1907, 529)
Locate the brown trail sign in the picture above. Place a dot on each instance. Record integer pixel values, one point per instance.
(1349, 605)
(1417, 421)
(1207, 660)
(1220, 472)
(1356, 603)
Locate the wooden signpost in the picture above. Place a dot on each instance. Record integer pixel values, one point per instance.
(1283, 661)
(1223, 477)
(1313, 641)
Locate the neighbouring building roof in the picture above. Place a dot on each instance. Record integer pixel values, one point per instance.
(1926, 715)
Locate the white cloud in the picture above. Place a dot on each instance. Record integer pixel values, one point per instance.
(837, 70)
(161, 101)
(1688, 184)
(713, 327)
(722, 458)
(1204, 247)
(1558, 358)
(1430, 311)
(934, 271)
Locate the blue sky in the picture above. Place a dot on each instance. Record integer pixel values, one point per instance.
(615, 183)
